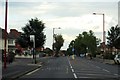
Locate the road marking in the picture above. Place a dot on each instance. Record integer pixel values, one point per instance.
(105, 70)
(69, 63)
(74, 75)
(97, 67)
(73, 70)
(116, 74)
(32, 72)
(67, 70)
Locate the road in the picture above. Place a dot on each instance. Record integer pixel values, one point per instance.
(65, 67)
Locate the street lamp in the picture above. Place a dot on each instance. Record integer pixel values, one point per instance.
(54, 35)
(103, 26)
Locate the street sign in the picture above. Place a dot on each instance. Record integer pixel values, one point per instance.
(32, 37)
(73, 49)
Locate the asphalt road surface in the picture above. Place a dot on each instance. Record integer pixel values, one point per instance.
(79, 68)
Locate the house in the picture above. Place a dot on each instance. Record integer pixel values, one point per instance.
(2, 40)
(10, 41)
(12, 36)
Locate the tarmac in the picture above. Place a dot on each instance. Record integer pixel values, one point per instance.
(21, 67)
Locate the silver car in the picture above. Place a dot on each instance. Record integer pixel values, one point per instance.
(117, 59)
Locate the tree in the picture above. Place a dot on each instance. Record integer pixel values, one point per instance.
(70, 47)
(113, 36)
(33, 27)
(48, 51)
(58, 43)
(117, 42)
(85, 42)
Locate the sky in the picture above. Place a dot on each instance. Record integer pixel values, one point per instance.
(72, 16)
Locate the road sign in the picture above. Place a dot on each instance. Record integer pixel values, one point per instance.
(32, 37)
(73, 49)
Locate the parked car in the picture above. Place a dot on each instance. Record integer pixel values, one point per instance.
(117, 59)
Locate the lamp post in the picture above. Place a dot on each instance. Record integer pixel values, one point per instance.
(54, 35)
(103, 27)
(5, 33)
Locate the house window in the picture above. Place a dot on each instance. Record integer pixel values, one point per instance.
(10, 41)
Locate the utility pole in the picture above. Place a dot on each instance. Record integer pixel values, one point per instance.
(5, 33)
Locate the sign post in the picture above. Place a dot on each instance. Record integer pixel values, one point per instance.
(32, 38)
(73, 50)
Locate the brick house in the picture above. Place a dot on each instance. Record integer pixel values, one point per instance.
(12, 36)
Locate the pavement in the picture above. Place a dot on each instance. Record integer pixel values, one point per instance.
(106, 61)
(19, 68)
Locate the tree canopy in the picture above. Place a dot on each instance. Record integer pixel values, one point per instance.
(58, 43)
(33, 27)
(113, 37)
(85, 42)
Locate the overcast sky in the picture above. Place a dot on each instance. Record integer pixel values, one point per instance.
(73, 16)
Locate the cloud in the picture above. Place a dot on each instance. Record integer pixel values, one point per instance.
(68, 38)
(62, 0)
(85, 22)
(73, 16)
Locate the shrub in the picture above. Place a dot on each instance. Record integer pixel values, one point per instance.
(11, 57)
(108, 56)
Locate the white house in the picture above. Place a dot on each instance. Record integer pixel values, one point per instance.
(10, 41)
(2, 40)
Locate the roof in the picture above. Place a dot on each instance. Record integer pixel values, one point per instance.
(14, 34)
(2, 33)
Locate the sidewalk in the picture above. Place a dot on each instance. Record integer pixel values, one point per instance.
(106, 61)
(19, 68)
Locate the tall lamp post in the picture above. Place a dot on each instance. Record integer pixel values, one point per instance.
(103, 28)
(54, 36)
(5, 33)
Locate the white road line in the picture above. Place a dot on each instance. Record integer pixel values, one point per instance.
(116, 74)
(32, 72)
(105, 70)
(74, 75)
(73, 70)
(69, 63)
(97, 67)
